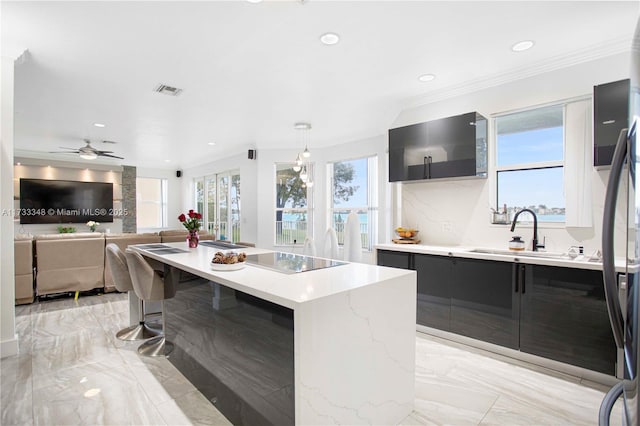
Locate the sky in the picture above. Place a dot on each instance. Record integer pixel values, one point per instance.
(531, 187)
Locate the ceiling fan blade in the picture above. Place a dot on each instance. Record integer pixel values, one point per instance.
(99, 152)
(66, 147)
(64, 152)
(109, 155)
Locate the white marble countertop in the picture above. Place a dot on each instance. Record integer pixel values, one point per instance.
(467, 252)
(288, 290)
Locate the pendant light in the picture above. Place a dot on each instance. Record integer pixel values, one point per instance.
(304, 129)
(298, 165)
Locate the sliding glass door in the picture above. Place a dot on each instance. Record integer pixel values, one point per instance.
(221, 193)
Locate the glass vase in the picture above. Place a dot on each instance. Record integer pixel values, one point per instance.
(193, 239)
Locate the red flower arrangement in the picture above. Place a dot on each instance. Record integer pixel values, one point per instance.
(193, 222)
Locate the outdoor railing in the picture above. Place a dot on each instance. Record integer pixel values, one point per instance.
(289, 231)
(364, 234)
(221, 232)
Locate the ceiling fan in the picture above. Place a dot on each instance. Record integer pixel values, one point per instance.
(88, 152)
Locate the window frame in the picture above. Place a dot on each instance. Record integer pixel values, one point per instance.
(527, 219)
(213, 181)
(372, 207)
(308, 210)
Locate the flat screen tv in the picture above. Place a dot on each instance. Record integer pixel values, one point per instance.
(65, 201)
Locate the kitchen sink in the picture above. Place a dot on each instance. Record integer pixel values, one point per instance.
(523, 253)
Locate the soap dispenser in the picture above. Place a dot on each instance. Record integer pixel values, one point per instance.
(516, 243)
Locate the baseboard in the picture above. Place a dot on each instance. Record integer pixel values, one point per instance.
(507, 354)
(9, 347)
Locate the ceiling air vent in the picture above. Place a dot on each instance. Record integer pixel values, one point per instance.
(167, 90)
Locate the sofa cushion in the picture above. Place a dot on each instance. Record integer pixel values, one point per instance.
(69, 236)
(178, 235)
(23, 269)
(69, 264)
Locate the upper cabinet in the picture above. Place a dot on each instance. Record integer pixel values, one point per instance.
(445, 148)
(610, 115)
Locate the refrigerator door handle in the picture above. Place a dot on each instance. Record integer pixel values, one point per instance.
(608, 223)
(606, 406)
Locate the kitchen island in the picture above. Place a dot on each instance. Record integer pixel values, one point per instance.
(313, 346)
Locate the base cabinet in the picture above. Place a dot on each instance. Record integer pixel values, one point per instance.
(434, 291)
(553, 312)
(563, 316)
(483, 304)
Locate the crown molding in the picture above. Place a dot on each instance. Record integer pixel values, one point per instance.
(598, 51)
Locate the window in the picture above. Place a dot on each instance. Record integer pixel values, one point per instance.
(293, 206)
(151, 202)
(530, 163)
(353, 189)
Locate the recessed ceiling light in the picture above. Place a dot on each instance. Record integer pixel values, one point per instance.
(426, 77)
(211, 143)
(18, 163)
(167, 161)
(98, 124)
(329, 38)
(521, 46)
(254, 1)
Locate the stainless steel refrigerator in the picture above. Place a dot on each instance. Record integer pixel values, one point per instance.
(621, 289)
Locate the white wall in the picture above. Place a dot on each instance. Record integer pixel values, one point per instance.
(258, 188)
(61, 170)
(457, 212)
(250, 215)
(447, 212)
(8, 337)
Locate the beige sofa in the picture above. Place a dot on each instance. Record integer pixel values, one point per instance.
(180, 235)
(69, 262)
(23, 266)
(122, 241)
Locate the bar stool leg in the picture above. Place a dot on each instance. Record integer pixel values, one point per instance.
(141, 331)
(158, 346)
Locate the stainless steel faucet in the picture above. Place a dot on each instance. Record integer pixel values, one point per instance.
(535, 244)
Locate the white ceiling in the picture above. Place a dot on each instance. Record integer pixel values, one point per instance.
(250, 71)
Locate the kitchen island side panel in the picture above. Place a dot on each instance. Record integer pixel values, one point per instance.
(355, 355)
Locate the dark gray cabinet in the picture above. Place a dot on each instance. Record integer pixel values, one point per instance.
(434, 290)
(610, 115)
(395, 259)
(563, 316)
(554, 312)
(448, 147)
(484, 305)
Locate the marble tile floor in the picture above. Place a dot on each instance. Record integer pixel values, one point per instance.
(71, 370)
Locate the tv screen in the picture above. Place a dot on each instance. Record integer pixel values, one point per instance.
(65, 201)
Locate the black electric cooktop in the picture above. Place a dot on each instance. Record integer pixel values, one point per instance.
(220, 244)
(289, 263)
